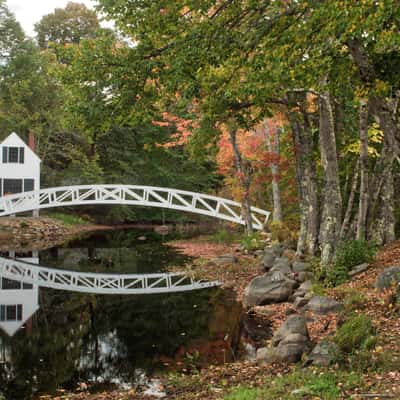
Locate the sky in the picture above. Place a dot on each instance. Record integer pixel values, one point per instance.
(28, 12)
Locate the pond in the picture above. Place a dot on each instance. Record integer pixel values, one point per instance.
(104, 341)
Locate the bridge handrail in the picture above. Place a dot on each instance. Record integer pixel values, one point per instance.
(152, 196)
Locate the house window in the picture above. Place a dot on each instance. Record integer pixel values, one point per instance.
(11, 186)
(13, 155)
(28, 185)
(11, 312)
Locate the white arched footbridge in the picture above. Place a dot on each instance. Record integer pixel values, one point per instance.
(149, 196)
(99, 283)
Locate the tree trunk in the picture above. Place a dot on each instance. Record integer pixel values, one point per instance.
(244, 174)
(382, 112)
(301, 181)
(332, 206)
(347, 216)
(311, 179)
(364, 194)
(274, 147)
(384, 223)
(305, 172)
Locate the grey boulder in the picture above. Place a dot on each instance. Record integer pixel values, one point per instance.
(295, 324)
(358, 269)
(289, 343)
(268, 259)
(323, 305)
(225, 259)
(300, 266)
(268, 288)
(323, 354)
(388, 277)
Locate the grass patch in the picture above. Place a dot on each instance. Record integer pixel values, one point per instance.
(68, 219)
(224, 236)
(297, 385)
(252, 241)
(349, 254)
(357, 332)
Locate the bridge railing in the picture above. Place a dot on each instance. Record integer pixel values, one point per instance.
(100, 283)
(149, 196)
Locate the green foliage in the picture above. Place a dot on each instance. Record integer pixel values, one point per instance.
(354, 300)
(24, 224)
(11, 33)
(252, 241)
(357, 332)
(243, 393)
(224, 236)
(299, 385)
(349, 254)
(67, 25)
(68, 219)
(354, 252)
(282, 233)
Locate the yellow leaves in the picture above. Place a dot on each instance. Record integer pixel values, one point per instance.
(375, 137)
(375, 134)
(381, 87)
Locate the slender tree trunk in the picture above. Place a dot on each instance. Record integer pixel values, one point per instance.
(381, 184)
(301, 182)
(332, 206)
(364, 194)
(243, 171)
(274, 147)
(305, 172)
(311, 179)
(347, 216)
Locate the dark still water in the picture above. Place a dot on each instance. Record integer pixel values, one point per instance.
(52, 339)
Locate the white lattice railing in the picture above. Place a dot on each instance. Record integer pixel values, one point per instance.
(149, 196)
(100, 283)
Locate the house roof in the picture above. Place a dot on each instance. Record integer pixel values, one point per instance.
(14, 140)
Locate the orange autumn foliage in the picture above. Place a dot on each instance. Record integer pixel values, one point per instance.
(184, 129)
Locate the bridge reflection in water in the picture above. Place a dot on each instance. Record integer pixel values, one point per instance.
(20, 281)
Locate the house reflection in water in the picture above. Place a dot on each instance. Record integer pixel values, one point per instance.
(18, 300)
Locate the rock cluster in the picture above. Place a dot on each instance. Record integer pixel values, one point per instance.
(280, 279)
(287, 279)
(289, 342)
(24, 230)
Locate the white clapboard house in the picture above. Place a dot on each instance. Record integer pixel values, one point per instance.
(19, 166)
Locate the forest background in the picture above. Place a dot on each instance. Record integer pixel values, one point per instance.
(292, 106)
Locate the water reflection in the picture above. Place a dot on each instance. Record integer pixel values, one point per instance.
(107, 340)
(18, 300)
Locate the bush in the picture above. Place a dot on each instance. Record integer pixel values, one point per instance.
(357, 332)
(354, 300)
(354, 252)
(282, 233)
(252, 241)
(349, 254)
(224, 236)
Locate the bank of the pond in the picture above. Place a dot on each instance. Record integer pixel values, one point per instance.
(35, 232)
(372, 372)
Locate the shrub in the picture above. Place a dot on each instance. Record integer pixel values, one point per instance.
(349, 254)
(224, 236)
(283, 233)
(252, 241)
(355, 301)
(357, 332)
